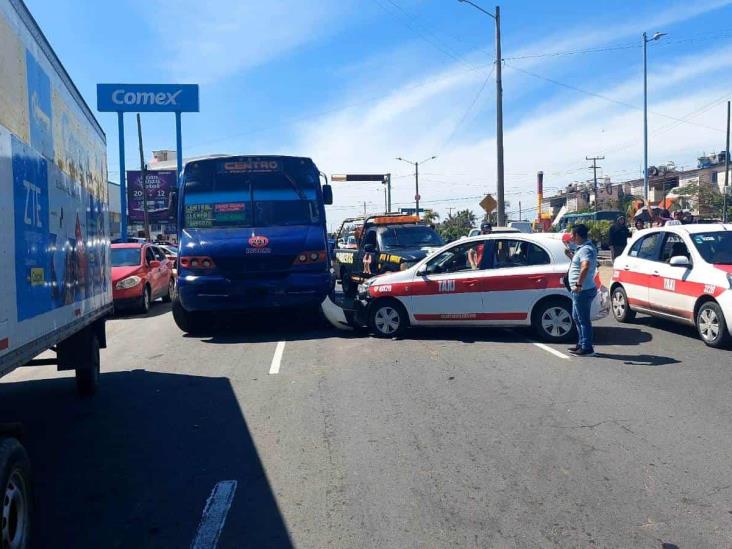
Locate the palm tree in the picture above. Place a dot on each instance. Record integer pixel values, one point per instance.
(430, 216)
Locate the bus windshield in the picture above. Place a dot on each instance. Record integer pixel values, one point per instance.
(219, 198)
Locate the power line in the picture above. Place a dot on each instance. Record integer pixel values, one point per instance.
(573, 52)
(435, 42)
(606, 98)
(468, 110)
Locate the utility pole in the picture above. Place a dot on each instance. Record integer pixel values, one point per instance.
(655, 36)
(387, 181)
(143, 178)
(364, 208)
(416, 178)
(499, 115)
(521, 217)
(594, 173)
(725, 202)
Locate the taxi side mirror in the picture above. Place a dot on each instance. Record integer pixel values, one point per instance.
(680, 261)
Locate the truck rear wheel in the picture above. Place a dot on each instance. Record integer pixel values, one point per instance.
(191, 322)
(15, 495)
(87, 372)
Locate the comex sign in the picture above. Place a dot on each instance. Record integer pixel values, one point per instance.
(147, 97)
(121, 98)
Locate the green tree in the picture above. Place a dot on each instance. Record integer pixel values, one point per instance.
(705, 200)
(455, 226)
(430, 216)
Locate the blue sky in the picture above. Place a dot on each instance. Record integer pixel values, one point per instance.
(355, 83)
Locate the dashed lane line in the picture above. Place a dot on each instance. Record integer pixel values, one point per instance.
(214, 515)
(277, 358)
(550, 350)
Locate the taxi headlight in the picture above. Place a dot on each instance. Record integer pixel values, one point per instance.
(129, 282)
(363, 288)
(729, 280)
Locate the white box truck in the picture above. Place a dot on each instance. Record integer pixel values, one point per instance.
(55, 283)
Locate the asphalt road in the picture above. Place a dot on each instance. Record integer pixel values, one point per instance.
(467, 438)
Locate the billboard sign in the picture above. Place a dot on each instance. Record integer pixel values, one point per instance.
(147, 97)
(158, 188)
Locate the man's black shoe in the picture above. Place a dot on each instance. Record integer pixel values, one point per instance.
(574, 349)
(583, 352)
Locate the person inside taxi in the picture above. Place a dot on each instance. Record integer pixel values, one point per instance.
(581, 276)
(475, 255)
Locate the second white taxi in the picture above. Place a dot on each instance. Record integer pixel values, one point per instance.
(490, 280)
(681, 273)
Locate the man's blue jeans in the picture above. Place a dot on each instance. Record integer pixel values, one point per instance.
(581, 310)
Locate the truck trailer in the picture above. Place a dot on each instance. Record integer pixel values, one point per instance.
(55, 280)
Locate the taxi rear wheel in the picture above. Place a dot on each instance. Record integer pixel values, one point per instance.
(388, 319)
(712, 326)
(552, 321)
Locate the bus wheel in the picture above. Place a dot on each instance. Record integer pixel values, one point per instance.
(15, 495)
(188, 321)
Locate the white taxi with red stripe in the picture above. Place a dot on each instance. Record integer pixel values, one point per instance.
(488, 280)
(680, 272)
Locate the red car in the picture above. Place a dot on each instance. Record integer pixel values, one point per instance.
(141, 273)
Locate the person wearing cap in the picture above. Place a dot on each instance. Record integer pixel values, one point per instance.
(678, 218)
(475, 255)
(581, 276)
(618, 237)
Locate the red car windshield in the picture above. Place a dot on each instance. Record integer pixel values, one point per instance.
(125, 257)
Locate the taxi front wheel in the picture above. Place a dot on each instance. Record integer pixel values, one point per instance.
(621, 310)
(388, 319)
(712, 326)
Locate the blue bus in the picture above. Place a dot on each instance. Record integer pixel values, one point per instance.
(252, 235)
(575, 218)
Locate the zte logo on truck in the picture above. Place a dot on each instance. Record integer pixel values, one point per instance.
(120, 97)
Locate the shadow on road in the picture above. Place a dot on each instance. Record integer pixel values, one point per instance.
(620, 335)
(156, 309)
(134, 466)
(640, 360)
(267, 326)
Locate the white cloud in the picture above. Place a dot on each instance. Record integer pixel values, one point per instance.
(415, 120)
(207, 41)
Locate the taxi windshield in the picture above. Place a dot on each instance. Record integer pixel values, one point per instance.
(715, 247)
(410, 236)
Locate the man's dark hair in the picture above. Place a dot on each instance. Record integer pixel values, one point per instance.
(580, 230)
(485, 225)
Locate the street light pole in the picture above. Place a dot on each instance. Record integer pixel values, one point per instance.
(726, 172)
(499, 114)
(655, 36)
(416, 178)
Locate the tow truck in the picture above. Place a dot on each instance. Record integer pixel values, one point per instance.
(384, 243)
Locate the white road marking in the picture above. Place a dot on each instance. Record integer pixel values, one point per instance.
(550, 350)
(540, 345)
(277, 358)
(214, 515)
